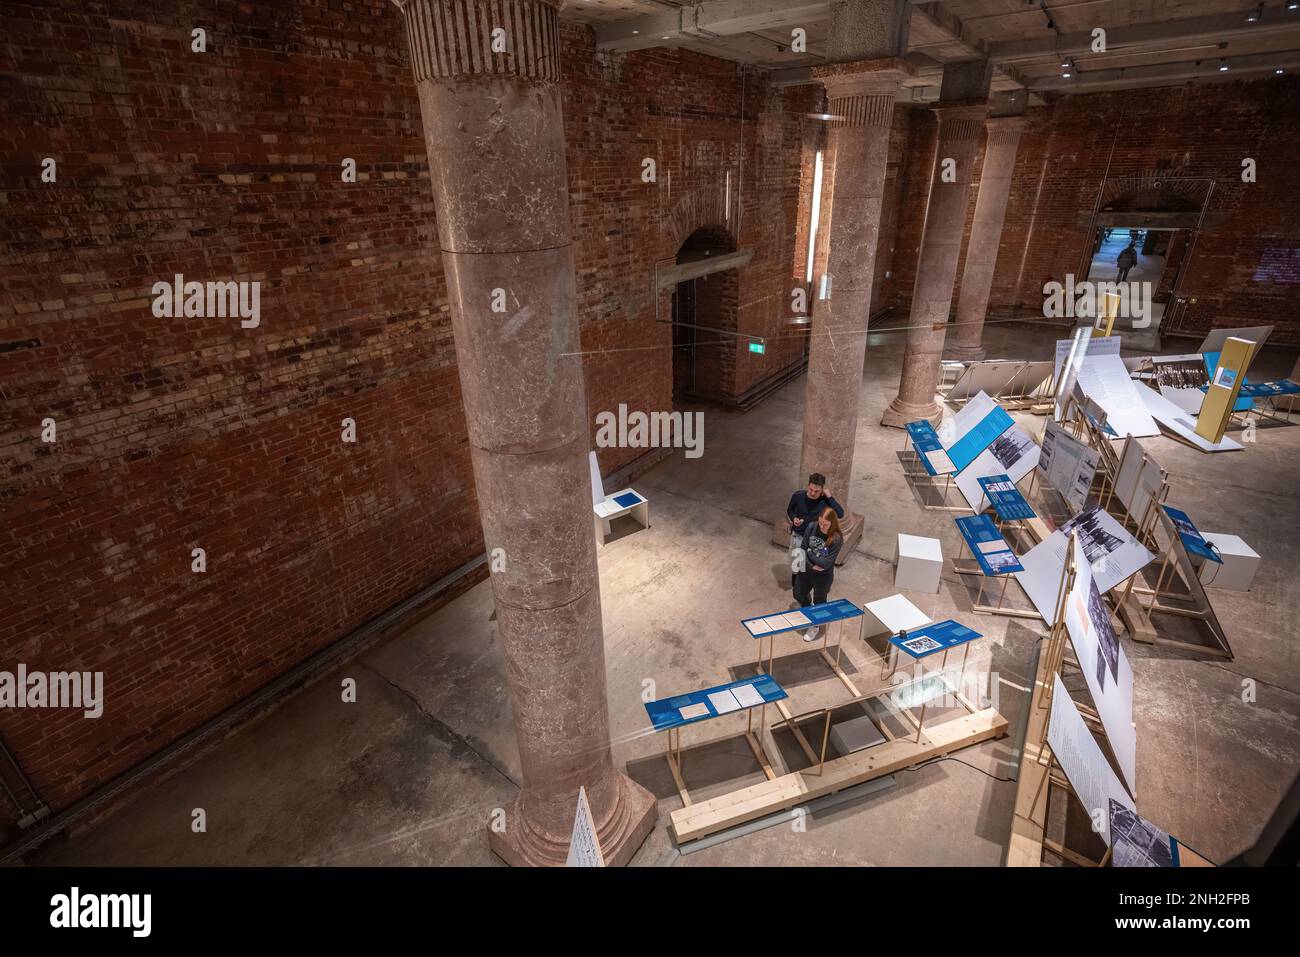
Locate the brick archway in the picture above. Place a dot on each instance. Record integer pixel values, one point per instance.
(1154, 191)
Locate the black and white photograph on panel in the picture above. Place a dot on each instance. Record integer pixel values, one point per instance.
(1136, 842)
(1096, 540)
(1107, 641)
(1009, 447)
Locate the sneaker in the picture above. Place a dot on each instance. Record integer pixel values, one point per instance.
(812, 634)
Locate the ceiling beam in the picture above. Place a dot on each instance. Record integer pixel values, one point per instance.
(1131, 39)
(709, 20)
(1258, 64)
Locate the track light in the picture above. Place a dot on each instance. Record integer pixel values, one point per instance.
(1255, 15)
(1223, 66)
(1279, 71)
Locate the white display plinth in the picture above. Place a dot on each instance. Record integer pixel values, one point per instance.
(855, 734)
(608, 510)
(889, 616)
(1240, 563)
(919, 563)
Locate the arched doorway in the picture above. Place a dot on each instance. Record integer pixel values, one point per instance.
(704, 316)
(1158, 217)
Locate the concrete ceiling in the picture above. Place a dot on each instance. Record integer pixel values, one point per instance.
(1148, 42)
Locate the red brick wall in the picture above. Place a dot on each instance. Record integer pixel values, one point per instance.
(176, 433)
(1201, 131)
(684, 111)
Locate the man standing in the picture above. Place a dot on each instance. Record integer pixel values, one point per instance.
(805, 505)
(1127, 259)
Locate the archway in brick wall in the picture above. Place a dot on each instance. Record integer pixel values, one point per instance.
(705, 319)
(1159, 216)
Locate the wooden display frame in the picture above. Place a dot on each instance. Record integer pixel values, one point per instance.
(978, 605)
(1039, 770)
(1194, 601)
(780, 792)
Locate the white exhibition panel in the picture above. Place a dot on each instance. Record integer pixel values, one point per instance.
(987, 375)
(1105, 667)
(1139, 479)
(1106, 381)
(1068, 464)
(1082, 760)
(1088, 347)
(1180, 423)
(1098, 532)
(1012, 452)
(1217, 337)
(967, 417)
(1111, 551)
(1030, 380)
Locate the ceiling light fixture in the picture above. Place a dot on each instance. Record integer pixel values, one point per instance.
(1223, 66)
(1255, 15)
(1279, 71)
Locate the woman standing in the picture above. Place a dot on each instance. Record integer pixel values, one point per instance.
(821, 543)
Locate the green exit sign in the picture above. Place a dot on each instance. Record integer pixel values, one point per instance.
(758, 347)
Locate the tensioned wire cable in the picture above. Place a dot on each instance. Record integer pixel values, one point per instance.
(765, 339)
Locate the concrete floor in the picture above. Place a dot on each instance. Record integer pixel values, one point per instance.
(410, 774)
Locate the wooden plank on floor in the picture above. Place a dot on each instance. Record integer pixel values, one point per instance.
(789, 790)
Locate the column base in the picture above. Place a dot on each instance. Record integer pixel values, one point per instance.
(634, 818)
(851, 527)
(899, 413)
(964, 353)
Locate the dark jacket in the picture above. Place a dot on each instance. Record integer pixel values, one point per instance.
(1127, 258)
(801, 506)
(820, 553)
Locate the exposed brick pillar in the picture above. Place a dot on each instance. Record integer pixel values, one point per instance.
(862, 96)
(495, 137)
(959, 129)
(985, 234)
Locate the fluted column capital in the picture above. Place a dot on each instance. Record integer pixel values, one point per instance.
(1004, 130)
(456, 38)
(961, 119)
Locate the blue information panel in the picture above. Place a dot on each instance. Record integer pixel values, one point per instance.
(1261, 389)
(711, 702)
(988, 546)
(966, 449)
(763, 625)
(1193, 540)
(1005, 498)
(926, 441)
(627, 499)
(939, 636)
(1244, 401)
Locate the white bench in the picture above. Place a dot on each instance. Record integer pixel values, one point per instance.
(609, 507)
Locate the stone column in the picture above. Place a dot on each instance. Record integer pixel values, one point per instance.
(495, 137)
(985, 234)
(862, 98)
(960, 123)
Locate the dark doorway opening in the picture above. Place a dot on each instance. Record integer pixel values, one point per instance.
(704, 316)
